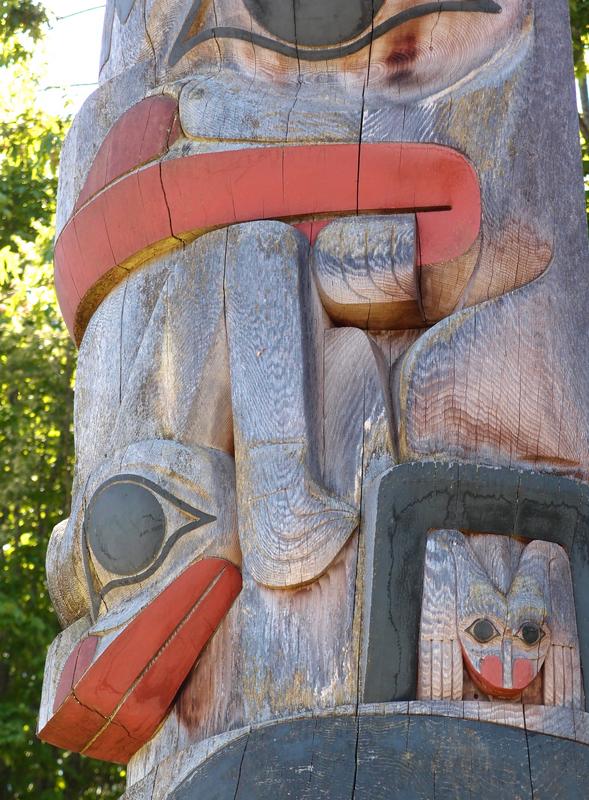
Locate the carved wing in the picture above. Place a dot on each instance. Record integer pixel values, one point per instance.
(440, 656)
(562, 667)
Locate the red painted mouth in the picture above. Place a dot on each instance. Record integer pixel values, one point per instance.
(109, 707)
(490, 677)
(125, 209)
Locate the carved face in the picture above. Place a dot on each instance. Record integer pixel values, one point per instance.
(142, 518)
(504, 644)
(147, 565)
(502, 610)
(503, 626)
(414, 47)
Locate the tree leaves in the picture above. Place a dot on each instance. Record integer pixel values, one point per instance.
(21, 25)
(580, 33)
(37, 362)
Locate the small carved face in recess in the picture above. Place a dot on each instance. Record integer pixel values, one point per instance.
(501, 612)
(503, 659)
(503, 631)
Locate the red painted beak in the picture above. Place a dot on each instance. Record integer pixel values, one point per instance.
(109, 706)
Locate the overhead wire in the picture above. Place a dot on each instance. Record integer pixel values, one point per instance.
(60, 19)
(77, 13)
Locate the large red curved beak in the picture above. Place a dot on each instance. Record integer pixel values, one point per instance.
(109, 705)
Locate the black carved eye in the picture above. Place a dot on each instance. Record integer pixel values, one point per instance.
(483, 630)
(310, 23)
(531, 633)
(125, 525)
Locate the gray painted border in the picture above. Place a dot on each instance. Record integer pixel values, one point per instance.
(412, 499)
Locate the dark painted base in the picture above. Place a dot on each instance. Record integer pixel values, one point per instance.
(391, 758)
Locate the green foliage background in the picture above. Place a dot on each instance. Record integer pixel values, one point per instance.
(37, 363)
(580, 34)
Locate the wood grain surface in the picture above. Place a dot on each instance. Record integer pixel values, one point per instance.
(333, 399)
(383, 755)
(512, 591)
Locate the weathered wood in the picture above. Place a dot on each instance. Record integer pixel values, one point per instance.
(424, 152)
(229, 105)
(295, 650)
(116, 687)
(143, 134)
(501, 609)
(292, 529)
(562, 672)
(415, 498)
(506, 337)
(440, 656)
(187, 764)
(125, 39)
(379, 756)
(126, 608)
(97, 116)
(180, 198)
(366, 272)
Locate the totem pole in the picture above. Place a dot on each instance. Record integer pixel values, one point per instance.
(327, 265)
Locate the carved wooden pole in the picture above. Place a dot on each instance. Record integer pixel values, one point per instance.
(327, 266)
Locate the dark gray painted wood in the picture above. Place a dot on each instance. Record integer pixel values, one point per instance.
(309, 760)
(125, 525)
(391, 758)
(217, 778)
(413, 499)
(116, 534)
(557, 772)
(421, 758)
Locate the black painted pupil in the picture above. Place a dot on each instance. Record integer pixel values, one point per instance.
(530, 633)
(483, 630)
(125, 525)
(314, 22)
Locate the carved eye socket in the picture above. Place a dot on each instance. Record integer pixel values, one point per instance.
(314, 24)
(483, 630)
(125, 525)
(311, 23)
(531, 633)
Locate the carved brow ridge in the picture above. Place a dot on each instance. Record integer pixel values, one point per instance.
(183, 45)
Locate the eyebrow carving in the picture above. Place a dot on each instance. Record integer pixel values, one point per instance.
(184, 43)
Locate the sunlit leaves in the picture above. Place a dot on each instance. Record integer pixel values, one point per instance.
(580, 31)
(21, 25)
(37, 363)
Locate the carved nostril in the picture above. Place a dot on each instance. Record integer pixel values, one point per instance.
(311, 23)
